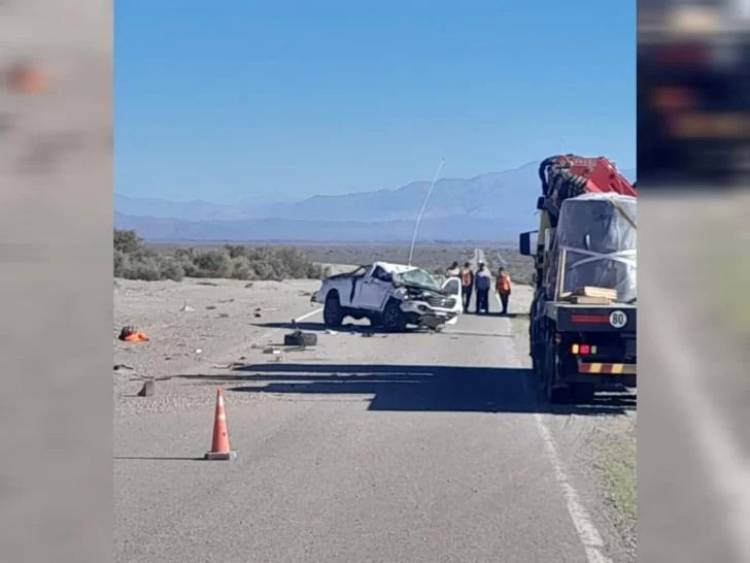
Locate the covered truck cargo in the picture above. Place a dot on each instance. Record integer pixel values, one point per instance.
(595, 245)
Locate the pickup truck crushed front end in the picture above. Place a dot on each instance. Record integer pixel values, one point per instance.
(425, 307)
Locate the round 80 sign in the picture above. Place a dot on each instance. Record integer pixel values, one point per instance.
(618, 319)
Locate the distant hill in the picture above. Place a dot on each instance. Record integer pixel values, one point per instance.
(493, 206)
(294, 230)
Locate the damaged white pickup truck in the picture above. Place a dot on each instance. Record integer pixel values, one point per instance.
(390, 295)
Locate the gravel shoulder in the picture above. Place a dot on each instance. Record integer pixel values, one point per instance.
(600, 448)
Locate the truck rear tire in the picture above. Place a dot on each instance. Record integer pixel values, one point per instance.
(333, 314)
(553, 395)
(583, 392)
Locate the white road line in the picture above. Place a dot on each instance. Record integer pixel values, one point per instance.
(308, 315)
(587, 532)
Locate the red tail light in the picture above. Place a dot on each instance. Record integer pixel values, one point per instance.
(590, 319)
(585, 349)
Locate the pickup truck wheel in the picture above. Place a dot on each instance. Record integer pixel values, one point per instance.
(393, 317)
(333, 314)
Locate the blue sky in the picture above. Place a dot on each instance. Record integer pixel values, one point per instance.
(280, 100)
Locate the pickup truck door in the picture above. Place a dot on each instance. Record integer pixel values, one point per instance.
(374, 290)
(452, 287)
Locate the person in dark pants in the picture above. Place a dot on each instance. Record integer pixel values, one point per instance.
(483, 283)
(502, 287)
(467, 285)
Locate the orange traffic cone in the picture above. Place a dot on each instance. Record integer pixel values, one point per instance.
(220, 443)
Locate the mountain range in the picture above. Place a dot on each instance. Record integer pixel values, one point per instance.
(493, 206)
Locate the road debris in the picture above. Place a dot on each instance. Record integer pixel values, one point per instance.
(299, 338)
(249, 284)
(223, 315)
(210, 307)
(118, 367)
(186, 308)
(198, 351)
(130, 334)
(148, 389)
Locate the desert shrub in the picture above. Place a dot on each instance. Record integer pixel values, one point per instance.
(143, 268)
(235, 251)
(240, 267)
(172, 269)
(132, 259)
(127, 241)
(119, 259)
(213, 264)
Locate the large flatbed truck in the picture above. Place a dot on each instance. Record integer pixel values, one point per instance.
(583, 316)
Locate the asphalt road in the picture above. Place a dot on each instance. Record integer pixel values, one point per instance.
(411, 447)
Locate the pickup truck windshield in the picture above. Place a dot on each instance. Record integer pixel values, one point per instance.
(417, 277)
(597, 245)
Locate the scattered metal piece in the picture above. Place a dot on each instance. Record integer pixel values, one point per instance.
(299, 338)
(118, 367)
(148, 389)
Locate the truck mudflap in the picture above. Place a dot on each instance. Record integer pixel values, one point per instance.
(600, 368)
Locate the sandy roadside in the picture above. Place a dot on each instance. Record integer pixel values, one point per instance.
(229, 322)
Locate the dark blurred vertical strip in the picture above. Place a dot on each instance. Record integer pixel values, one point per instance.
(694, 306)
(55, 280)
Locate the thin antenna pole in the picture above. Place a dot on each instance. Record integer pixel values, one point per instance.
(424, 206)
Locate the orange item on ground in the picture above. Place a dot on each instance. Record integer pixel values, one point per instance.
(220, 442)
(136, 336)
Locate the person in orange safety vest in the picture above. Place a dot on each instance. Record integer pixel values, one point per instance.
(502, 286)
